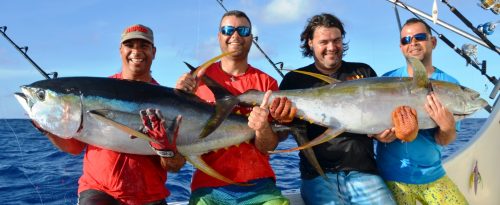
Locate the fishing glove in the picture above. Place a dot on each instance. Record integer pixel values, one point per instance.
(405, 123)
(155, 127)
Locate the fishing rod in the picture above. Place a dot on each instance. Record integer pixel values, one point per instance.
(469, 24)
(23, 51)
(254, 40)
(443, 24)
(481, 67)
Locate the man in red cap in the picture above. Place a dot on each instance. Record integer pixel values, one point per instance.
(111, 177)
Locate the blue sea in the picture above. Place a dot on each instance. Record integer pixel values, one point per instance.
(35, 172)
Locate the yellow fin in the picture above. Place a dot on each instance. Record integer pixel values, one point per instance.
(197, 162)
(327, 135)
(322, 77)
(201, 69)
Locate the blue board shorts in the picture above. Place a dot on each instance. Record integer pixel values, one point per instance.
(346, 188)
(264, 191)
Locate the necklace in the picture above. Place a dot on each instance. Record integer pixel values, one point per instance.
(232, 78)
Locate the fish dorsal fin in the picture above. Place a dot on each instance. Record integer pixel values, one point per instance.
(420, 79)
(198, 162)
(322, 77)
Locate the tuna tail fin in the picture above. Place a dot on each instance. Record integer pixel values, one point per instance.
(420, 79)
(223, 108)
(224, 102)
(197, 162)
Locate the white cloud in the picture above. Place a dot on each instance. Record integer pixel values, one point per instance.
(285, 11)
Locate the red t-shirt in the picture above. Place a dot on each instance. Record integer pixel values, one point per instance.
(239, 163)
(132, 179)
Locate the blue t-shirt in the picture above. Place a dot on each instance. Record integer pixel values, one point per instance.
(416, 162)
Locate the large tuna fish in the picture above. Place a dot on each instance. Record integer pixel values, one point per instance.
(104, 112)
(364, 106)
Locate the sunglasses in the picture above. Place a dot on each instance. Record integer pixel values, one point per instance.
(243, 31)
(418, 37)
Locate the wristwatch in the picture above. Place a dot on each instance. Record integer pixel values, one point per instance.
(164, 153)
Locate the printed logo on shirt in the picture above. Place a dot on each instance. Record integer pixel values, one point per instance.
(355, 77)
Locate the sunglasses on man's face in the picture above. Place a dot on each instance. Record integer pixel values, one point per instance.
(243, 31)
(418, 37)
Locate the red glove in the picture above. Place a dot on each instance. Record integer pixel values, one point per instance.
(154, 126)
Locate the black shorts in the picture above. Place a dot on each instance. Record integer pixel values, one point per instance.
(95, 197)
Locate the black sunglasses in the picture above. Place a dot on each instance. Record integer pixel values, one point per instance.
(243, 31)
(418, 37)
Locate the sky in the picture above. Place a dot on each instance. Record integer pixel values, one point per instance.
(81, 38)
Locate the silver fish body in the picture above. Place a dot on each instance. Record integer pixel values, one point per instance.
(62, 106)
(364, 106)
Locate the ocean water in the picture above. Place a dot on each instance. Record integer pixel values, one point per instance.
(33, 171)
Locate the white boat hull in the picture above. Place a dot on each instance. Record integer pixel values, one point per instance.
(485, 148)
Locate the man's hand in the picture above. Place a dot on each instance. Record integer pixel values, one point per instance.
(265, 139)
(282, 110)
(440, 114)
(385, 136)
(443, 118)
(154, 126)
(258, 118)
(187, 83)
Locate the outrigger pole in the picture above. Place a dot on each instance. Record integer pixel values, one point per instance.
(23, 51)
(254, 40)
(469, 24)
(444, 24)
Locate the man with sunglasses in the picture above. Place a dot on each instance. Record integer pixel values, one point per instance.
(347, 160)
(413, 170)
(247, 162)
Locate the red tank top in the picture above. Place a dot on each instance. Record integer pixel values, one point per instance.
(239, 163)
(132, 179)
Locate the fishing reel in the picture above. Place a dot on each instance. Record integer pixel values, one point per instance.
(493, 5)
(487, 28)
(471, 51)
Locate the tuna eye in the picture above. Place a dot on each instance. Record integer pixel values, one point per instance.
(40, 95)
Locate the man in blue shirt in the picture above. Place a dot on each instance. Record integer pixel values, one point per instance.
(413, 170)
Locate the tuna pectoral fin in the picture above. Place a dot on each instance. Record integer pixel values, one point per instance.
(101, 116)
(327, 135)
(197, 162)
(223, 107)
